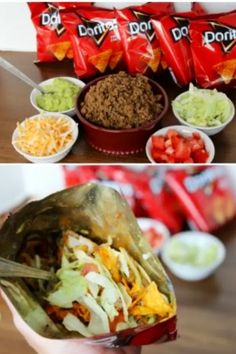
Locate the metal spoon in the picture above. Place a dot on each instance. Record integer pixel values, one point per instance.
(13, 70)
(11, 269)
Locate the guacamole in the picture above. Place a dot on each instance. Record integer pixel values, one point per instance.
(60, 97)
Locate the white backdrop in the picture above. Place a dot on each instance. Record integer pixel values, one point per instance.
(17, 31)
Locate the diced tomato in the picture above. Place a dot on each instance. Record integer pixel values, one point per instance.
(154, 237)
(190, 160)
(89, 267)
(171, 159)
(175, 139)
(171, 133)
(196, 144)
(170, 150)
(197, 136)
(156, 154)
(200, 156)
(168, 143)
(182, 151)
(174, 148)
(119, 318)
(158, 142)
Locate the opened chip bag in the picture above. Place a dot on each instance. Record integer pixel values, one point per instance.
(145, 190)
(53, 42)
(214, 50)
(95, 39)
(108, 287)
(205, 196)
(142, 49)
(173, 35)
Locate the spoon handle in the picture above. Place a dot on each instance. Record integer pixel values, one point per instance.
(13, 70)
(14, 270)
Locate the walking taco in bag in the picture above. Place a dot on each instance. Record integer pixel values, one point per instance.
(108, 285)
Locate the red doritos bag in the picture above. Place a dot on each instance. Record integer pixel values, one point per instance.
(214, 50)
(205, 195)
(95, 39)
(53, 41)
(141, 45)
(173, 34)
(152, 198)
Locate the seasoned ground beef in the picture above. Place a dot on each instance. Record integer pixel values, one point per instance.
(121, 101)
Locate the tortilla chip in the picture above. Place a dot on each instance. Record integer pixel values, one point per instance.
(59, 49)
(154, 62)
(69, 53)
(226, 70)
(101, 60)
(152, 302)
(164, 64)
(115, 59)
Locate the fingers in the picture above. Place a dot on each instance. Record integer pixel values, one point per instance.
(46, 346)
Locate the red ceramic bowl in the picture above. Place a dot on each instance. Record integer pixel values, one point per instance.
(122, 141)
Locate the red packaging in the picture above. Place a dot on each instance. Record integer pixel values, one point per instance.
(53, 42)
(142, 49)
(214, 51)
(158, 200)
(95, 40)
(173, 34)
(205, 195)
(144, 189)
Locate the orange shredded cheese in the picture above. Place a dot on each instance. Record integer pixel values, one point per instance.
(43, 136)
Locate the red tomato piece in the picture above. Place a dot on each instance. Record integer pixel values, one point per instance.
(170, 150)
(168, 143)
(190, 160)
(175, 139)
(182, 151)
(200, 156)
(89, 267)
(171, 133)
(196, 144)
(197, 136)
(158, 142)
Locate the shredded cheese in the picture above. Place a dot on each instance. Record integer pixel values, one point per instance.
(43, 136)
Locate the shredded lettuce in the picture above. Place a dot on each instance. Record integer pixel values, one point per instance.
(99, 320)
(70, 288)
(132, 266)
(192, 253)
(75, 240)
(109, 295)
(72, 323)
(126, 297)
(203, 108)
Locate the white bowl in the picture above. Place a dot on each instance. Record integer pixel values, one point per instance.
(207, 130)
(188, 271)
(147, 223)
(186, 132)
(52, 158)
(35, 93)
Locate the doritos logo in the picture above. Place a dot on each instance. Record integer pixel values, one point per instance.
(181, 30)
(222, 34)
(97, 30)
(143, 25)
(51, 17)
